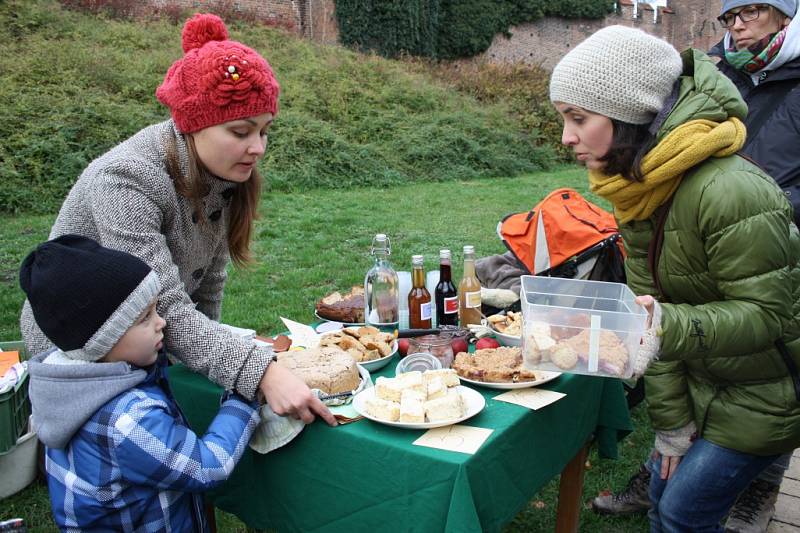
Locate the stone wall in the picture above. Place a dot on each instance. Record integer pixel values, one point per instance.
(313, 19)
(319, 23)
(684, 23)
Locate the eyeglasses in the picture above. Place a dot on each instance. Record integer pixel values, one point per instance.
(746, 14)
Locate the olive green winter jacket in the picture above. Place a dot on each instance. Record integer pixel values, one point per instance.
(729, 272)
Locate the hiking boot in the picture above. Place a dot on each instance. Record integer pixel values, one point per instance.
(634, 499)
(753, 510)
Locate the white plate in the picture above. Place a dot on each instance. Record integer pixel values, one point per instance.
(546, 376)
(506, 340)
(377, 364)
(332, 320)
(473, 399)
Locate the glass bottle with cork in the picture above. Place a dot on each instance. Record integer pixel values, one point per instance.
(419, 299)
(446, 294)
(381, 286)
(469, 302)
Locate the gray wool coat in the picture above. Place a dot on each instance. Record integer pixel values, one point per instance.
(126, 200)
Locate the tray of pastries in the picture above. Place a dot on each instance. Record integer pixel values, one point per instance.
(368, 346)
(499, 368)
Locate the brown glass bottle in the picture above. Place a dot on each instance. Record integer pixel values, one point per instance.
(469, 291)
(419, 299)
(446, 294)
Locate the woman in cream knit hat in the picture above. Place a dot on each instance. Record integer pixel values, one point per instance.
(713, 252)
(182, 195)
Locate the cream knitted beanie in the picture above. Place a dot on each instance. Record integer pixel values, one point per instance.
(619, 72)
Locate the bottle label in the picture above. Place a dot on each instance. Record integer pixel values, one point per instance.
(451, 305)
(472, 299)
(425, 311)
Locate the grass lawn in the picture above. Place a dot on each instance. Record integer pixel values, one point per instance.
(310, 243)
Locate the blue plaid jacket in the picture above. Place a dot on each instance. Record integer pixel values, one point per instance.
(136, 466)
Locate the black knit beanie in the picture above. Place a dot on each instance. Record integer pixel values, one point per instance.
(84, 297)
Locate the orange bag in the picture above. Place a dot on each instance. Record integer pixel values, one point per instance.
(562, 229)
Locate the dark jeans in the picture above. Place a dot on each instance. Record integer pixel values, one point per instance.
(703, 488)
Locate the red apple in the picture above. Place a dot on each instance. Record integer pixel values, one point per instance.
(459, 345)
(402, 347)
(486, 342)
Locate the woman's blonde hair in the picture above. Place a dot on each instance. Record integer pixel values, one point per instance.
(195, 185)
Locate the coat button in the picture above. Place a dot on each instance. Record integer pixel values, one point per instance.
(227, 193)
(194, 217)
(197, 274)
(215, 215)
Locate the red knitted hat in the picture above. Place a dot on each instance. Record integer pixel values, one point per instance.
(217, 80)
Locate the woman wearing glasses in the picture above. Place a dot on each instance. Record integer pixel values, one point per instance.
(760, 53)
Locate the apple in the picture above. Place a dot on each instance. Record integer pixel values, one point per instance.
(486, 342)
(459, 345)
(402, 347)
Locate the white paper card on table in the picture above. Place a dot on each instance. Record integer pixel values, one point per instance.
(455, 438)
(301, 334)
(530, 398)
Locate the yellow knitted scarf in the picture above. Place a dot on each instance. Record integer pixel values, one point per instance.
(663, 166)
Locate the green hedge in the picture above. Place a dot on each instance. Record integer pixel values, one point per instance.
(446, 29)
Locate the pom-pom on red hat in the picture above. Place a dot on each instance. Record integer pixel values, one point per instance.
(217, 80)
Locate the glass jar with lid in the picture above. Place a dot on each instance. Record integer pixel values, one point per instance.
(437, 345)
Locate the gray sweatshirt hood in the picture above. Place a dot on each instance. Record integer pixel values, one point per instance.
(64, 394)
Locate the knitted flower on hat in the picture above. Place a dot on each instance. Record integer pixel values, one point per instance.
(217, 80)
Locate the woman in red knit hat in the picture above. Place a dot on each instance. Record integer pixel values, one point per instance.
(182, 196)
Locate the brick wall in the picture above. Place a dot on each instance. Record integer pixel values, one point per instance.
(684, 23)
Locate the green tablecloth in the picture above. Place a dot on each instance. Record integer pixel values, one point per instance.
(366, 476)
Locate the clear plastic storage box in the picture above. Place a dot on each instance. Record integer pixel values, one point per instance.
(580, 326)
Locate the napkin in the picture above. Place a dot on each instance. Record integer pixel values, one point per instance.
(274, 431)
(240, 333)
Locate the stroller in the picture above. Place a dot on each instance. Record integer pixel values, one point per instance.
(563, 236)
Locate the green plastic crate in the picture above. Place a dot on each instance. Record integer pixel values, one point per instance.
(15, 406)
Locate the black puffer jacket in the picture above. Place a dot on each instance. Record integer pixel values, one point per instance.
(775, 145)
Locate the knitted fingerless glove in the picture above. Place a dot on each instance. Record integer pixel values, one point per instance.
(651, 344)
(675, 442)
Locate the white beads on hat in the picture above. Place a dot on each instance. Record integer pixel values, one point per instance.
(619, 72)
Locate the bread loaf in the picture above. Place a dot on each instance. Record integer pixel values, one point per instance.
(325, 368)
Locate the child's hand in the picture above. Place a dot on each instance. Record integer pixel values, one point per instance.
(288, 395)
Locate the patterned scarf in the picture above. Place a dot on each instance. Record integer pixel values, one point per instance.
(664, 166)
(756, 56)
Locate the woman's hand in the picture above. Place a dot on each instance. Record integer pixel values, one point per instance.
(672, 445)
(668, 464)
(288, 395)
(648, 302)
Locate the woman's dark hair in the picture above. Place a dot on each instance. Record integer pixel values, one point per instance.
(629, 144)
(194, 186)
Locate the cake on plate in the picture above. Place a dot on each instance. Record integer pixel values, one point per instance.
(347, 307)
(493, 365)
